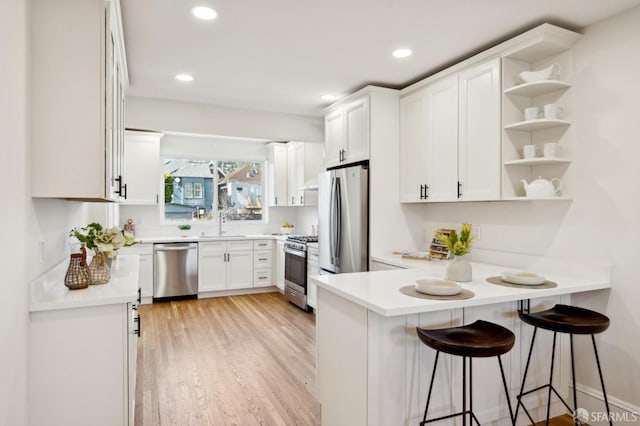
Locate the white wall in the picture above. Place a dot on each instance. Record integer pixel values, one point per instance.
(13, 212)
(602, 222)
(186, 117)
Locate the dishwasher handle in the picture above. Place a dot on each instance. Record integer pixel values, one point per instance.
(175, 247)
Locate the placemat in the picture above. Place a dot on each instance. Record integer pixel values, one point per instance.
(498, 281)
(410, 290)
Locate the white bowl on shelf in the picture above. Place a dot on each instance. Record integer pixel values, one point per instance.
(438, 287)
(522, 277)
(549, 73)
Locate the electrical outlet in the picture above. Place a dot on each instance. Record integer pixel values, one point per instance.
(41, 256)
(476, 231)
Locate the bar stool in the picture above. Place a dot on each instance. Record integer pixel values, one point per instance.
(481, 339)
(570, 320)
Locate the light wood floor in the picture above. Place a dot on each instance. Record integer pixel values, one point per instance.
(242, 360)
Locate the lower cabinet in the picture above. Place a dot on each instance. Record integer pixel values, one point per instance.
(82, 364)
(280, 265)
(145, 251)
(312, 269)
(237, 264)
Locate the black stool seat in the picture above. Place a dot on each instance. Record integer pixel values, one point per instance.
(568, 319)
(480, 339)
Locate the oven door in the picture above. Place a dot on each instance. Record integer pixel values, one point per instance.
(295, 269)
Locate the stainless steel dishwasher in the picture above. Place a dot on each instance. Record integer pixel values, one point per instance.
(175, 270)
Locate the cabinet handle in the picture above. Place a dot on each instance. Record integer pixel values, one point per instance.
(125, 191)
(139, 295)
(301, 199)
(422, 192)
(293, 200)
(459, 189)
(262, 278)
(276, 201)
(426, 192)
(138, 331)
(264, 259)
(228, 257)
(119, 190)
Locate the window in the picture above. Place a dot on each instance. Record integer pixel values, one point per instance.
(203, 189)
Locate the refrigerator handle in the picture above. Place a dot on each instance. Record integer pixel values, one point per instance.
(338, 232)
(332, 212)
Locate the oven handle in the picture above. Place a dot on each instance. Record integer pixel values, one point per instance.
(294, 252)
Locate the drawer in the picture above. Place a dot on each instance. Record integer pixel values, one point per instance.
(262, 244)
(262, 278)
(312, 251)
(240, 245)
(262, 258)
(212, 247)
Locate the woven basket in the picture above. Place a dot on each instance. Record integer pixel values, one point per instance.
(77, 275)
(99, 270)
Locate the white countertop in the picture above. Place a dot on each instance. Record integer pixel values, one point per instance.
(379, 291)
(48, 291)
(197, 238)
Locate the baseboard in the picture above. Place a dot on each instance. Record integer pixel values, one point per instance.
(238, 292)
(593, 401)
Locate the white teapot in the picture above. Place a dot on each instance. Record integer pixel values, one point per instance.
(540, 187)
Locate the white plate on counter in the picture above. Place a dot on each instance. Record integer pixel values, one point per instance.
(438, 287)
(522, 277)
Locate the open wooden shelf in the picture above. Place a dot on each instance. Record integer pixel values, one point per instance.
(537, 161)
(536, 199)
(540, 124)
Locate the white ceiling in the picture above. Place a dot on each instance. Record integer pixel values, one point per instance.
(282, 55)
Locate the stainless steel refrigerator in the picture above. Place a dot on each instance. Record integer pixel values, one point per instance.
(343, 220)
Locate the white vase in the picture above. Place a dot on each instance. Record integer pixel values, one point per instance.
(458, 269)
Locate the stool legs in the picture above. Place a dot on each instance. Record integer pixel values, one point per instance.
(550, 384)
(604, 392)
(465, 412)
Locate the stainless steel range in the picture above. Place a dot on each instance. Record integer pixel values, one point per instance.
(295, 269)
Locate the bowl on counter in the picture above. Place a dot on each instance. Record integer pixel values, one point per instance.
(438, 287)
(522, 277)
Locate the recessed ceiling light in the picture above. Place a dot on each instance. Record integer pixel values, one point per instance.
(329, 97)
(402, 53)
(205, 13)
(184, 77)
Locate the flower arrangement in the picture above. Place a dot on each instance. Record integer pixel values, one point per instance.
(457, 246)
(95, 237)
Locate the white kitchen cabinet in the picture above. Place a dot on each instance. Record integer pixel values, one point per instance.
(212, 266)
(305, 163)
(312, 269)
(142, 167)
(145, 277)
(479, 159)
(226, 265)
(277, 166)
(450, 137)
(82, 349)
(429, 147)
(347, 133)
(292, 167)
(78, 78)
(279, 265)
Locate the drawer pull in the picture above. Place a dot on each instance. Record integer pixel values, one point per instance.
(262, 278)
(263, 259)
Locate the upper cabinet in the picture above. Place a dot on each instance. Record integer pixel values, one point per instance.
(347, 133)
(79, 75)
(142, 167)
(450, 137)
(464, 130)
(293, 170)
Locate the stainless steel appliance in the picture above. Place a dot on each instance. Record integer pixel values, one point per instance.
(295, 269)
(343, 219)
(175, 270)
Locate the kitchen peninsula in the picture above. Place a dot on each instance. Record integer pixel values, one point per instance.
(372, 369)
